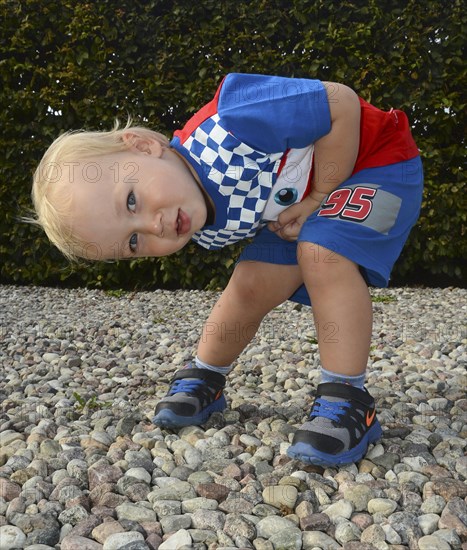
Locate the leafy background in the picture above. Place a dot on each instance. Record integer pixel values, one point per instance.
(75, 64)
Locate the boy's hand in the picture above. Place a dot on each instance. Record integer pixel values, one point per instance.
(290, 221)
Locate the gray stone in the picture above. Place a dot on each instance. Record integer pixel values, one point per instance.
(177, 490)
(199, 503)
(11, 537)
(391, 536)
(288, 539)
(140, 474)
(235, 524)
(135, 512)
(271, 525)
(359, 496)
(125, 425)
(416, 478)
(461, 466)
(208, 519)
(135, 545)
(433, 505)
(346, 531)
(79, 470)
(171, 524)
(263, 544)
(73, 515)
(384, 506)
(177, 541)
(406, 526)
(428, 523)
(8, 436)
(242, 542)
(49, 357)
(342, 508)
(374, 534)
(203, 535)
(167, 507)
(119, 540)
(224, 540)
(68, 492)
(50, 448)
(39, 528)
(430, 542)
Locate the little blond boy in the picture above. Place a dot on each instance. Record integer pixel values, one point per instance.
(327, 185)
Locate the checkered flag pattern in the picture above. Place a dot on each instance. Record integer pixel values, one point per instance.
(215, 239)
(241, 173)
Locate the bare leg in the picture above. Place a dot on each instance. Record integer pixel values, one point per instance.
(253, 290)
(341, 307)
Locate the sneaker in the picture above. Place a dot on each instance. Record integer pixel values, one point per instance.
(193, 396)
(342, 424)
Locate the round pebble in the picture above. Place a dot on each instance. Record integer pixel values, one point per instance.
(11, 537)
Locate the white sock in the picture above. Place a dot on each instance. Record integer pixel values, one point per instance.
(221, 370)
(356, 381)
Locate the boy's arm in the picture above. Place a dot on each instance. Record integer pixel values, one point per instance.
(335, 155)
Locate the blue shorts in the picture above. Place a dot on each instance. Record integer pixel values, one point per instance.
(367, 219)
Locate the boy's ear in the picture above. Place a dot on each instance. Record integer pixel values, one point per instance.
(144, 144)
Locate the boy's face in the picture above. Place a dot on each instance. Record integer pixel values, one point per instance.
(142, 202)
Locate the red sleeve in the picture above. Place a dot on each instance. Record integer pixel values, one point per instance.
(385, 138)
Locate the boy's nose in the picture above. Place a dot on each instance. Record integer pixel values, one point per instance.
(155, 225)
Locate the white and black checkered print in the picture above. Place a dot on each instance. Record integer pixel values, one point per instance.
(241, 173)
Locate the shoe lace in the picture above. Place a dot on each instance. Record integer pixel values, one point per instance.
(333, 410)
(187, 386)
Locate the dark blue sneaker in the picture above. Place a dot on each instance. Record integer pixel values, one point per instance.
(342, 424)
(193, 396)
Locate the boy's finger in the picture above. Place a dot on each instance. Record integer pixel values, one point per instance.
(274, 226)
(287, 216)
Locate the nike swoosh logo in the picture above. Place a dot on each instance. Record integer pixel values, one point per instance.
(370, 417)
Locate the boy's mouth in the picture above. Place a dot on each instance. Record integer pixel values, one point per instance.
(183, 223)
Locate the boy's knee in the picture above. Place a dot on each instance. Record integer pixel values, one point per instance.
(246, 282)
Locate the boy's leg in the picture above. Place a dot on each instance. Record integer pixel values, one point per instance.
(342, 308)
(253, 290)
(342, 421)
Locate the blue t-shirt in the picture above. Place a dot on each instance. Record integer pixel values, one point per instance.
(252, 148)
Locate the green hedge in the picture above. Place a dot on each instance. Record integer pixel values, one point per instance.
(77, 64)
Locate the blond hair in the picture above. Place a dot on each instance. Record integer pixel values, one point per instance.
(52, 202)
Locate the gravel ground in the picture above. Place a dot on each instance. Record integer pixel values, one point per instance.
(82, 467)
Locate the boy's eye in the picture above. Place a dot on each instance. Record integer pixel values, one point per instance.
(131, 201)
(133, 242)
